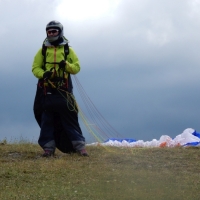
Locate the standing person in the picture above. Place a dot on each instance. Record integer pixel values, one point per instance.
(53, 70)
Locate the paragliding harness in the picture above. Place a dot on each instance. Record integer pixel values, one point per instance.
(61, 139)
(66, 83)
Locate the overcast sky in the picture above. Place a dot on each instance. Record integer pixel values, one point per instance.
(140, 62)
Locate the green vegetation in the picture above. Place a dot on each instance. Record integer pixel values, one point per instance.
(108, 174)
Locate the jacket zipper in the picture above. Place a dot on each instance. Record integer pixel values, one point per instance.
(55, 61)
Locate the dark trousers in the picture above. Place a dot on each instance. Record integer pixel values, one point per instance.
(64, 106)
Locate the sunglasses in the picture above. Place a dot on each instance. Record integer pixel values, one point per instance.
(52, 31)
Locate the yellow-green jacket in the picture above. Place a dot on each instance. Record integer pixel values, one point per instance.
(55, 54)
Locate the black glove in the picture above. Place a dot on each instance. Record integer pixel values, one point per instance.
(47, 75)
(62, 64)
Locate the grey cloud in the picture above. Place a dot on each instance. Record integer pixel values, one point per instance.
(140, 67)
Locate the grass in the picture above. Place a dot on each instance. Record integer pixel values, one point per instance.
(108, 174)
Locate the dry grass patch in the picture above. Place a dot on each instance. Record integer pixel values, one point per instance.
(109, 173)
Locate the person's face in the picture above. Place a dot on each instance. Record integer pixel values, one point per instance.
(52, 32)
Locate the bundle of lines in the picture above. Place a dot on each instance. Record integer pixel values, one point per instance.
(95, 123)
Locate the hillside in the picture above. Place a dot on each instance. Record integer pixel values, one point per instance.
(109, 173)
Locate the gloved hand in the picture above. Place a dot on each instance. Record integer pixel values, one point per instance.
(47, 75)
(62, 64)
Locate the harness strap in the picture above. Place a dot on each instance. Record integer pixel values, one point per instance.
(66, 80)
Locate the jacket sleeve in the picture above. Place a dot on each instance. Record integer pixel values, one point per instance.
(37, 65)
(73, 65)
